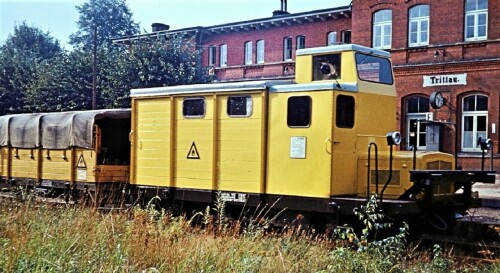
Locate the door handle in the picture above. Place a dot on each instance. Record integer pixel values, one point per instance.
(328, 140)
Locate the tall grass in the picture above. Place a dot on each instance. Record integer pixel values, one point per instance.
(47, 238)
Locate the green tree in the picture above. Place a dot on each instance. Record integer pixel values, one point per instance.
(64, 84)
(153, 62)
(20, 57)
(106, 19)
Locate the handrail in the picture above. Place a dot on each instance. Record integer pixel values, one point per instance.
(390, 175)
(368, 171)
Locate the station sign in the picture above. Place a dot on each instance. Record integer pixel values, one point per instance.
(441, 80)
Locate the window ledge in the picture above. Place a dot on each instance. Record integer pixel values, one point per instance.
(253, 65)
(476, 155)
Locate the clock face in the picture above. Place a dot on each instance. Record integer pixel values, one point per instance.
(437, 100)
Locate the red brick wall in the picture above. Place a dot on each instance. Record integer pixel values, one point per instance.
(480, 60)
(446, 20)
(314, 32)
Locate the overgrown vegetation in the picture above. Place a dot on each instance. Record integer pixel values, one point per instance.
(38, 75)
(38, 237)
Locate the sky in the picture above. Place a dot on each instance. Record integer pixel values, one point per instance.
(58, 17)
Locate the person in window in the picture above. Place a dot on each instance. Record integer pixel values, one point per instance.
(329, 71)
(326, 67)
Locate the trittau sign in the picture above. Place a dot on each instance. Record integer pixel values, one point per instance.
(439, 80)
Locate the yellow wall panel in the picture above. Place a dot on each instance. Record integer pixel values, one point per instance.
(309, 176)
(240, 148)
(57, 166)
(151, 141)
(23, 165)
(4, 161)
(194, 172)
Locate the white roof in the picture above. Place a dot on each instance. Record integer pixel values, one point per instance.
(343, 47)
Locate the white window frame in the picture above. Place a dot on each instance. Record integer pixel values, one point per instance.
(212, 55)
(331, 38)
(223, 55)
(260, 51)
(420, 115)
(421, 23)
(248, 52)
(475, 15)
(382, 29)
(287, 48)
(469, 140)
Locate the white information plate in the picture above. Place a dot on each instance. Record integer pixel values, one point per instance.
(81, 174)
(298, 147)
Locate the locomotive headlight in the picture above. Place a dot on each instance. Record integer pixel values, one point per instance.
(393, 138)
(485, 144)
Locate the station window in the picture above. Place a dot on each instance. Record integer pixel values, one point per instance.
(417, 108)
(331, 38)
(211, 55)
(326, 67)
(301, 41)
(260, 51)
(239, 106)
(223, 55)
(418, 29)
(193, 107)
(382, 29)
(474, 122)
(287, 49)
(346, 36)
(299, 111)
(476, 20)
(345, 111)
(248, 53)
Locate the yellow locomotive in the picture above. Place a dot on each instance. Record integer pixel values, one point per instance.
(316, 145)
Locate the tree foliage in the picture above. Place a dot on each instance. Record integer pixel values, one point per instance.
(20, 59)
(64, 84)
(106, 19)
(36, 75)
(151, 62)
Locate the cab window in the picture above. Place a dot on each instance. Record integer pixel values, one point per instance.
(299, 111)
(326, 67)
(345, 111)
(374, 69)
(239, 106)
(193, 107)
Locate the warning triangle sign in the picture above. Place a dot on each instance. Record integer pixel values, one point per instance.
(193, 152)
(81, 162)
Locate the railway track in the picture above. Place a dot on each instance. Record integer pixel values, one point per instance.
(473, 237)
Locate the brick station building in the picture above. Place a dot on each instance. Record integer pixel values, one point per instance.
(446, 57)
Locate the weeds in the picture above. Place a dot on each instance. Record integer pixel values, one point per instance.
(45, 238)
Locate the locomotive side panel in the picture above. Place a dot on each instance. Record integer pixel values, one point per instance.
(343, 143)
(299, 157)
(239, 143)
(151, 140)
(4, 162)
(55, 165)
(194, 145)
(24, 163)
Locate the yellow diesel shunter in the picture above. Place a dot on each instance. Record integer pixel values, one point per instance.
(314, 145)
(66, 150)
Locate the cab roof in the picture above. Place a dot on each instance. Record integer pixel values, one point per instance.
(340, 48)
